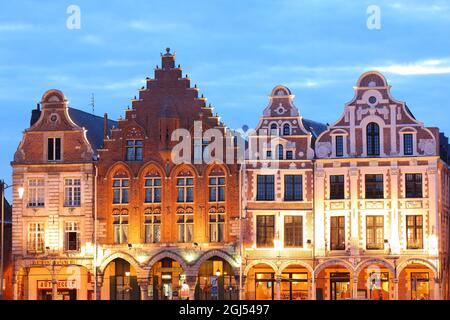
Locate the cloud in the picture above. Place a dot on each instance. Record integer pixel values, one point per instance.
(154, 26)
(15, 26)
(92, 39)
(425, 67)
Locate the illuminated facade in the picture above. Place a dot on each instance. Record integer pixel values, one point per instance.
(53, 230)
(380, 208)
(115, 211)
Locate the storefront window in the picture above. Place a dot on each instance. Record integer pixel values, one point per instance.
(264, 283)
(420, 286)
(294, 286)
(379, 285)
(340, 286)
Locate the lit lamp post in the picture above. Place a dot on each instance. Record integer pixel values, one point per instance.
(3, 187)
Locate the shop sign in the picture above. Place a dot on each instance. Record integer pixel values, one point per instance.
(62, 284)
(55, 262)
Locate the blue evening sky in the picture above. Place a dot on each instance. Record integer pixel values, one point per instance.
(236, 51)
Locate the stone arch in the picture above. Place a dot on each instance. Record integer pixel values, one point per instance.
(119, 255)
(367, 262)
(216, 253)
(185, 166)
(366, 78)
(209, 168)
(333, 262)
(280, 91)
(257, 262)
(289, 263)
(53, 96)
(149, 165)
(165, 254)
(423, 262)
(116, 167)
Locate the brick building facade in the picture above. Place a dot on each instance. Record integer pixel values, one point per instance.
(144, 208)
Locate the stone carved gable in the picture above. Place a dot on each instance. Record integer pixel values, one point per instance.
(373, 103)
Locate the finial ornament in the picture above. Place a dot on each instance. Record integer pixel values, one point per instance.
(168, 50)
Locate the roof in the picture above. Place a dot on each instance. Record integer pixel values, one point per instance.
(316, 128)
(93, 124)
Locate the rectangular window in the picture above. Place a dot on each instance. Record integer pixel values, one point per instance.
(374, 186)
(414, 232)
(293, 231)
(269, 155)
(152, 190)
(72, 237)
(72, 192)
(413, 185)
(185, 225)
(152, 226)
(408, 149)
(337, 187)
(375, 232)
(293, 188)
(266, 188)
(265, 231)
(185, 189)
(289, 155)
(337, 233)
(120, 190)
(216, 225)
(36, 238)
(339, 146)
(54, 149)
(134, 150)
(120, 226)
(217, 189)
(36, 193)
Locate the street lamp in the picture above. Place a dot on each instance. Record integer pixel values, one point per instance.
(3, 187)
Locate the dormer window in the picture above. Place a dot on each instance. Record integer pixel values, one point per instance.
(286, 129)
(273, 130)
(408, 149)
(134, 150)
(339, 146)
(373, 139)
(54, 149)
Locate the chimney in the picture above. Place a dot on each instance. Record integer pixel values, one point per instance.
(105, 126)
(35, 115)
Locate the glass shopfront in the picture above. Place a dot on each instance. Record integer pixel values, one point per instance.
(264, 286)
(420, 286)
(340, 286)
(294, 286)
(379, 286)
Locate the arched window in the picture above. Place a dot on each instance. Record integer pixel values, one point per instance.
(152, 188)
(121, 186)
(373, 139)
(286, 129)
(217, 188)
(185, 189)
(273, 129)
(280, 152)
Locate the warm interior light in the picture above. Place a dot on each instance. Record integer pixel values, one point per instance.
(21, 191)
(127, 274)
(218, 273)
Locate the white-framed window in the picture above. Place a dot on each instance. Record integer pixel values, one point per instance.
(36, 237)
(185, 189)
(72, 192)
(185, 225)
(216, 224)
(152, 189)
(216, 189)
(121, 190)
(54, 149)
(72, 237)
(120, 226)
(36, 193)
(152, 222)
